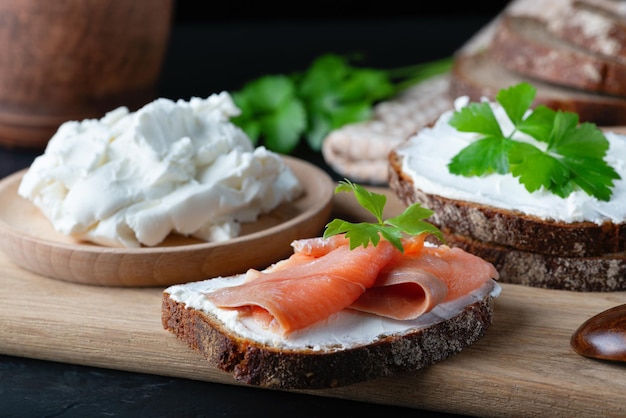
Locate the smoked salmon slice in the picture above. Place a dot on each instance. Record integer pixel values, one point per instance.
(402, 292)
(298, 294)
(462, 272)
(324, 276)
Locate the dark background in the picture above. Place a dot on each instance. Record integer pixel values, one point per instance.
(239, 41)
(196, 11)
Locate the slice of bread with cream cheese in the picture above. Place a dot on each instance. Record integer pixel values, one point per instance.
(534, 238)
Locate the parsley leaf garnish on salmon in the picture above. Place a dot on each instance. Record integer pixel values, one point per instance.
(410, 222)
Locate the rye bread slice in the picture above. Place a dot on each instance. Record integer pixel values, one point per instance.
(526, 46)
(507, 227)
(604, 273)
(271, 366)
(477, 75)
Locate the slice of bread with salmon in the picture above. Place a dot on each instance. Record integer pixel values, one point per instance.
(338, 311)
(573, 241)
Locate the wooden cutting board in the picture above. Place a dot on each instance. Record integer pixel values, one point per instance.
(523, 366)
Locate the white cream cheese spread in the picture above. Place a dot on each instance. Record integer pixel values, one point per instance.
(342, 330)
(132, 178)
(426, 156)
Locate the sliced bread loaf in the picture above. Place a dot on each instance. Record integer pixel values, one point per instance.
(526, 46)
(597, 26)
(477, 75)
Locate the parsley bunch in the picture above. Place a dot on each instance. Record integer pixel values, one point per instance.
(408, 222)
(281, 110)
(568, 155)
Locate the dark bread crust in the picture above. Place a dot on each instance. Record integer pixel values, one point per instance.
(476, 75)
(509, 228)
(586, 274)
(254, 364)
(524, 45)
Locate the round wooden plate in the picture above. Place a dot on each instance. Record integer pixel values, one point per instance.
(29, 240)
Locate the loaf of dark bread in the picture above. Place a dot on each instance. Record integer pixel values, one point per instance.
(438, 335)
(598, 26)
(525, 45)
(476, 75)
(544, 43)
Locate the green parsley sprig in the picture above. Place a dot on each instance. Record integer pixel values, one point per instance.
(409, 222)
(572, 155)
(279, 111)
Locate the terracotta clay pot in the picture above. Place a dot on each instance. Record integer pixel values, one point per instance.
(74, 59)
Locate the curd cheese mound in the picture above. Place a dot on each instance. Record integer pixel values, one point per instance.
(132, 178)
